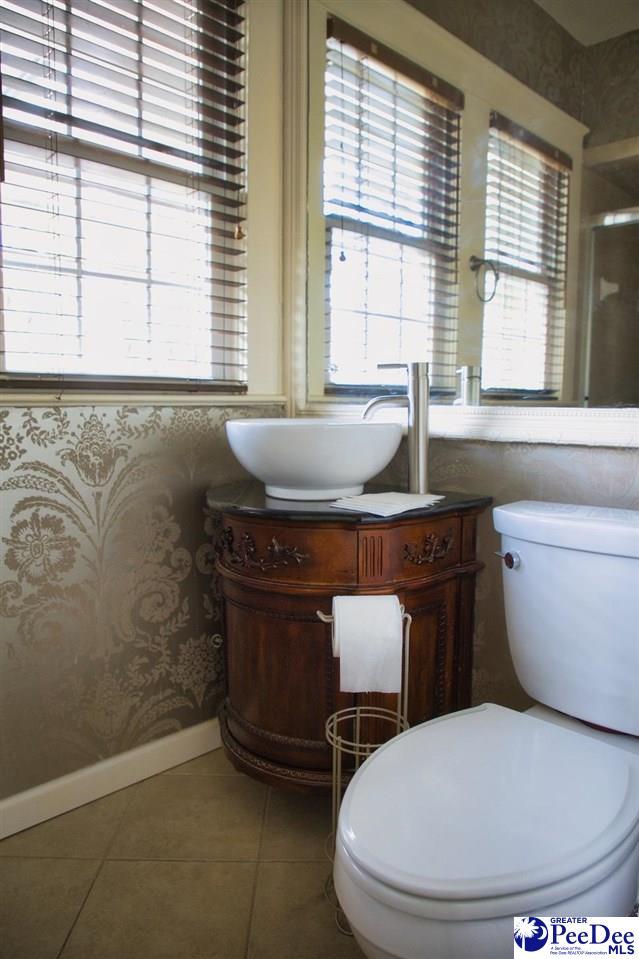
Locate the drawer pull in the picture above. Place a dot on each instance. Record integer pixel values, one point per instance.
(245, 554)
(433, 547)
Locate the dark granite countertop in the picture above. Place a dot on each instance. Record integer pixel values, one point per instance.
(247, 498)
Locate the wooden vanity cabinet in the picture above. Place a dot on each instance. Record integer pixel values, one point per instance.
(277, 569)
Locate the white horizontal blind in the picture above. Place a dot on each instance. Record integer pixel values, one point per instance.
(391, 172)
(124, 190)
(526, 223)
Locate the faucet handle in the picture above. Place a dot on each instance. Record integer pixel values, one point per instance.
(416, 368)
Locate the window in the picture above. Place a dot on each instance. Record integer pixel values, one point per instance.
(526, 228)
(123, 202)
(390, 203)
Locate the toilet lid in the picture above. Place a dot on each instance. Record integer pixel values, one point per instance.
(487, 802)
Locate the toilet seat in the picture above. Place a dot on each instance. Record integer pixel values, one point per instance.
(443, 815)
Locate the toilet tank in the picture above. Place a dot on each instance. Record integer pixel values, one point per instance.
(572, 608)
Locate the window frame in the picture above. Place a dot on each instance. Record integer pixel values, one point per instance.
(263, 224)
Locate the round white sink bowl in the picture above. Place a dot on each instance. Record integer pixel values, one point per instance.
(313, 459)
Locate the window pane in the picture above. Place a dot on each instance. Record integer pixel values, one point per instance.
(391, 168)
(111, 272)
(125, 189)
(516, 335)
(382, 296)
(526, 214)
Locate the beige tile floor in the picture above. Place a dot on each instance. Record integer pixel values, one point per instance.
(197, 863)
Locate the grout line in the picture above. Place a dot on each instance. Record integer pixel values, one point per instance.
(38, 855)
(118, 826)
(177, 859)
(249, 928)
(82, 905)
(318, 858)
(95, 878)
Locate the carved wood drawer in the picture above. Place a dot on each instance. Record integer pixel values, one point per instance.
(288, 553)
(409, 551)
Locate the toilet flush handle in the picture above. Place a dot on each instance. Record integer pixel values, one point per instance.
(511, 560)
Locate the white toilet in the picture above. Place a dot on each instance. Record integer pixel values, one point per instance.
(457, 825)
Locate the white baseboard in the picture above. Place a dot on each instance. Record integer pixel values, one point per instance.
(33, 806)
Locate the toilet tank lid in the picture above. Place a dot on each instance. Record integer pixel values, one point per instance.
(596, 529)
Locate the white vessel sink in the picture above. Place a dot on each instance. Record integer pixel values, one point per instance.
(313, 459)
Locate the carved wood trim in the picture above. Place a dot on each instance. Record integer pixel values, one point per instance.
(440, 658)
(301, 777)
(464, 643)
(260, 733)
(428, 608)
(439, 686)
(432, 548)
(408, 584)
(245, 553)
(273, 613)
(371, 556)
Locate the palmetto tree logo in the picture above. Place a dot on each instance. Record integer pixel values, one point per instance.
(530, 933)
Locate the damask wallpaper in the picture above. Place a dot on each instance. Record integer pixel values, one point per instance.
(110, 630)
(110, 633)
(611, 89)
(598, 85)
(521, 38)
(509, 472)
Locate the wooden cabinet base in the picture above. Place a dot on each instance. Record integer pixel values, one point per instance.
(277, 570)
(267, 771)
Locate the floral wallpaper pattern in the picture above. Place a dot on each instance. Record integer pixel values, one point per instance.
(110, 622)
(521, 38)
(610, 107)
(110, 629)
(598, 85)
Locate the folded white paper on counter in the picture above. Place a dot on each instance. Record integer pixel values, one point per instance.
(387, 504)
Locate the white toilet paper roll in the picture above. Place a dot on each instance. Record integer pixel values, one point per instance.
(367, 637)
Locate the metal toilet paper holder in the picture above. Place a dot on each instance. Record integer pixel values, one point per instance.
(346, 728)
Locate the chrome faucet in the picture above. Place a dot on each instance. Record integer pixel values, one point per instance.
(416, 400)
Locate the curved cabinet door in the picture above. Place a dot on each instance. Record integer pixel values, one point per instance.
(283, 681)
(282, 678)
